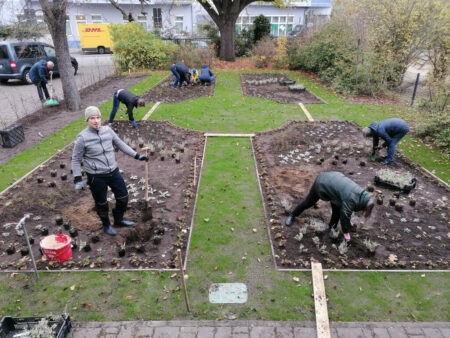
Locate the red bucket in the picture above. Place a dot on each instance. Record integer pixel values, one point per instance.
(57, 247)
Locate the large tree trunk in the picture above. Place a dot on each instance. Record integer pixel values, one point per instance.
(227, 29)
(55, 16)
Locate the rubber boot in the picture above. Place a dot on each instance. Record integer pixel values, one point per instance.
(102, 212)
(119, 211)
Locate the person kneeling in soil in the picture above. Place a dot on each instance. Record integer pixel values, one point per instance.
(181, 73)
(391, 131)
(95, 147)
(345, 197)
(130, 100)
(206, 75)
(194, 77)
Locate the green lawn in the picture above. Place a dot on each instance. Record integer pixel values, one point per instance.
(230, 241)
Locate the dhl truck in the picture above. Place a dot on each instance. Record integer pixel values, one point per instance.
(95, 38)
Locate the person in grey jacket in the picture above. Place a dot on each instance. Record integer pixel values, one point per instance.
(38, 75)
(94, 147)
(344, 195)
(391, 131)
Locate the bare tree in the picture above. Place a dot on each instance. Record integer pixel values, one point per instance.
(55, 17)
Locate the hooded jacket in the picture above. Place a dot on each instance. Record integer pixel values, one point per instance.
(128, 99)
(38, 73)
(205, 74)
(96, 150)
(387, 129)
(183, 70)
(342, 192)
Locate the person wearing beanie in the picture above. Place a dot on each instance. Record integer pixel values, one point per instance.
(391, 131)
(94, 147)
(206, 75)
(38, 75)
(128, 99)
(345, 197)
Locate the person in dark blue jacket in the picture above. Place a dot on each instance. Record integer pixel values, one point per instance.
(206, 75)
(130, 100)
(38, 75)
(181, 73)
(391, 131)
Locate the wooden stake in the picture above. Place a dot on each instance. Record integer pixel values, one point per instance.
(146, 175)
(180, 261)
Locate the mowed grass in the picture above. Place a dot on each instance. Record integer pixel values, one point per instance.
(230, 241)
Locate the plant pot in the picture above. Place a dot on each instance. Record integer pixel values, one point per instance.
(95, 239)
(10, 250)
(67, 225)
(31, 239)
(63, 176)
(24, 251)
(40, 179)
(87, 247)
(73, 232)
(62, 165)
(44, 231)
(53, 173)
(362, 163)
(59, 220)
(121, 252)
(157, 240)
(52, 184)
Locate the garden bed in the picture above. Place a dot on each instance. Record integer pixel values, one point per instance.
(275, 87)
(150, 244)
(165, 93)
(412, 234)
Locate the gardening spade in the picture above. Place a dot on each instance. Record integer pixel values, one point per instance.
(52, 101)
(147, 210)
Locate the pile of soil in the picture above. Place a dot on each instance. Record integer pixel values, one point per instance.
(47, 120)
(165, 92)
(412, 234)
(272, 87)
(56, 207)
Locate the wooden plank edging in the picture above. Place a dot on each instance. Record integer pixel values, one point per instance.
(150, 112)
(308, 115)
(320, 301)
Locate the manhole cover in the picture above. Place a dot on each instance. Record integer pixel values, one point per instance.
(226, 293)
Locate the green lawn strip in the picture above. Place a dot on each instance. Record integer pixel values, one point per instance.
(230, 242)
(23, 163)
(228, 111)
(380, 296)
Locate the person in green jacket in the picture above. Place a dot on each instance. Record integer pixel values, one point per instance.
(344, 195)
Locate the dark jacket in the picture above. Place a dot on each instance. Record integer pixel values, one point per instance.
(387, 129)
(183, 70)
(96, 150)
(128, 99)
(205, 74)
(342, 192)
(38, 73)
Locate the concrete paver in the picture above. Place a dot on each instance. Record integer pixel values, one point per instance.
(255, 328)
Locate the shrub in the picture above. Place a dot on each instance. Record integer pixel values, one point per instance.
(261, 28)
(243, 42)
(135, 48)
(434, 125)
(212, 33)
(264, 52)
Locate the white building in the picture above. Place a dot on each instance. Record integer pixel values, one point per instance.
(175, 19)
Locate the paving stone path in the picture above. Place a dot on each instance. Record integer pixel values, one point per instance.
(255, 329)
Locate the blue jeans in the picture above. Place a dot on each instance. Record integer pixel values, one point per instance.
(394, 140)
(99, 187)
(115, 107)
(176, 74)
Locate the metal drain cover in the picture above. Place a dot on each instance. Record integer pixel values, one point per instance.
(227, 293)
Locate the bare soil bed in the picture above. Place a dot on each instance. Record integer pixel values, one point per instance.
(151, 243)
(273, 87)
(47, 120)
(412, 234)
(165, 92)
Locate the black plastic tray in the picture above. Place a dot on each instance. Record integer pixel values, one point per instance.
(406, 189)
(12, 326)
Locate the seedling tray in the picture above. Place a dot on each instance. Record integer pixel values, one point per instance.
(406, 188)
(14, 326)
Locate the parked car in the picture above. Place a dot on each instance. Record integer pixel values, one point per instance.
(17, 58)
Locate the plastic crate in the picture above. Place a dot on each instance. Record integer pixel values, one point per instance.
(14, 326)
(12, 135)
(406, 189)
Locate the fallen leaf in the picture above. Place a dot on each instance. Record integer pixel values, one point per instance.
(14, 274)
(173, 275)
(165, 298)
(392, 258)
(325, 277)
(128, 297)
(254, 230)
(397, 295)
(108, 276)
(86, 304)
(296, 279)
(72, 287)
(206, 220)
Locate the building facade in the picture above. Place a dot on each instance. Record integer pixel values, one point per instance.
(175, 19)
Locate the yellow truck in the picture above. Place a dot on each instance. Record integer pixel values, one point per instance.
(95, 37)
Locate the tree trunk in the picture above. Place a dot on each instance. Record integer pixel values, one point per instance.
(226, 29)
(55, 15)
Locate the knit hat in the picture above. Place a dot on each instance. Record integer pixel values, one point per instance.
(194, 70)
(92, 111)
(367, 132)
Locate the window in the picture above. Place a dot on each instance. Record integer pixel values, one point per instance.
(157, 18)
(28, 51)
(142, 19)
(50, 51)
(96, 18)
(80, 18)
(40, 18)
(68, 27)
(179, 23)
(3, 52)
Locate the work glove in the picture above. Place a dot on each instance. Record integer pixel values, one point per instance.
(79, 185)
(141, 157)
